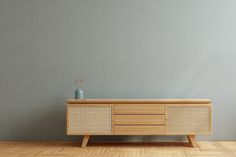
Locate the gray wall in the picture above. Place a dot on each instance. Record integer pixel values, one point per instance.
(123, 48)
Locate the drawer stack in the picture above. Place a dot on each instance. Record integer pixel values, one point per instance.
(139, 119)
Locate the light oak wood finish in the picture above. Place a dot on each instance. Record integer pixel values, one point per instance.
(139, 101)
(85, 140)
(139, 130)
(139, 109)
(89, 105)
(71, 149)
(192, 141)
(140, 119)
(113, 119)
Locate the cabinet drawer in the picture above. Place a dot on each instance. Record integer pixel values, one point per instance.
(139, 130)
(139, 109)
(139, 119)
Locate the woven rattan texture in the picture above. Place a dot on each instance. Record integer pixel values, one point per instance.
(191, 119)
(90, 119)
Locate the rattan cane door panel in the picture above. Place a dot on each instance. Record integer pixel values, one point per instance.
(188, 119)
(89, 119)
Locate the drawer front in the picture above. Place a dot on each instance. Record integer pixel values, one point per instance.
(139, 130)
(139, 109)
(139, 119)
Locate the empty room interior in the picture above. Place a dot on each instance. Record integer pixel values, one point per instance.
(117, 78)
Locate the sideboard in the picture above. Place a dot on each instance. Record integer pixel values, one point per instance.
(189, 117)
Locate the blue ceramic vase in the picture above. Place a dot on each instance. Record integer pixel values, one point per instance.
(79, 93)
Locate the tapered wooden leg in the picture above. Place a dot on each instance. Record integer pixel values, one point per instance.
(192, 141)
(85, 140)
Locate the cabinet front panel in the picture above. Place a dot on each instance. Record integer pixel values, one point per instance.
(89, 120)
(139, 130)
(139, 109)
(139, 119)
(190, 119)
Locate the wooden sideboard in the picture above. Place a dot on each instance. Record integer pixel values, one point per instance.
(139, 117)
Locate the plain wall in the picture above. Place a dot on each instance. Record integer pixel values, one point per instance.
(123, 49)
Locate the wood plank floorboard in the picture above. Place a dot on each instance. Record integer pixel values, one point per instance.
(73, 149)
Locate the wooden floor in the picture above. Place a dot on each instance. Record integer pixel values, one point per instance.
(72, 149)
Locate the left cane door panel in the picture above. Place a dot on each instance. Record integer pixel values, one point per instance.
(89, 119)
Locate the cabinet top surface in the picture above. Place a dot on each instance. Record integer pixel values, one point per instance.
(139, 101)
